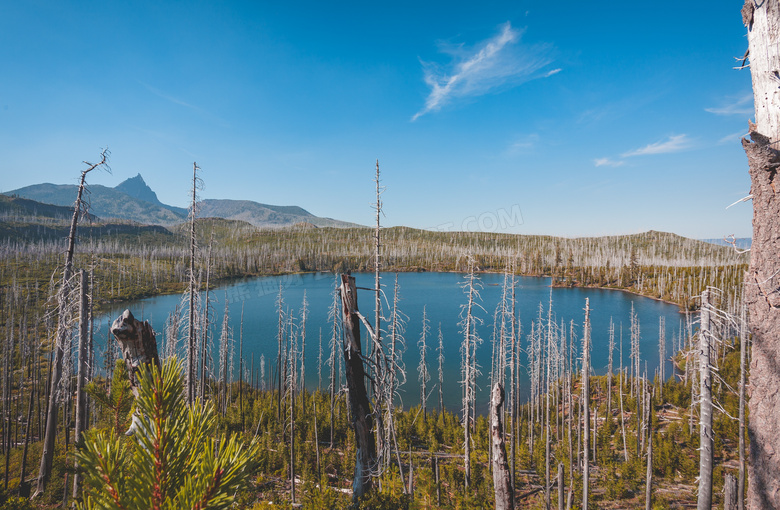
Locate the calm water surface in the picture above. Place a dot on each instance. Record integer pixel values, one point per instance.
(442, 296)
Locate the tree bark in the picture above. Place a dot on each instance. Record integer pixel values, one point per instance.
(730, 493)
(743, 346)
(360, 409)
(762, 284)
(138, 343)
(502, 482)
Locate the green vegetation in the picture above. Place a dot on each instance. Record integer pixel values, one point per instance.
(173, 460)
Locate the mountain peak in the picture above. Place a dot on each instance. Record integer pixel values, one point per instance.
(136, 187)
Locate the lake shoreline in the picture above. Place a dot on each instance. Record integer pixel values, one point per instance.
(221, 282)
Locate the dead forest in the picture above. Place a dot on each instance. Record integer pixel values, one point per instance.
(173, 415)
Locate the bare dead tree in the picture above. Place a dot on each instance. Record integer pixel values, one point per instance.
(304, 317)
(201, 358)
(471, 286)
(610, 367)
(761, 290)
(360, 409)
(224, 347)
(649, 474)
(706, 446)
(586, 404)
(661, 355)
(422, 369)
(192, 290)
(241, 366)
(280, 353)
(441, 370)
(290, 383)
(63, 301)
(81, 411)
(548, 390)
(514, 372)
(334, 346)
(502, 483)
(319, 364)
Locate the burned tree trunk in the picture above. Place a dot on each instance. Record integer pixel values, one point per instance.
(139, 347)
(360, 409)
(502, 482)
(762, 283)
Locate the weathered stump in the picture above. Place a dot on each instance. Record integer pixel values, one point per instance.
(139, 347)
(138, 344)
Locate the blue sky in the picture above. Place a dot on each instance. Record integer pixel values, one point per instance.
(562, 118)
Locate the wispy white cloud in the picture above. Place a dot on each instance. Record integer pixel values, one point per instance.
(742, 105)
(499, 61)
(524, 143)
(608, 162)
(733, 137)
(675, 143)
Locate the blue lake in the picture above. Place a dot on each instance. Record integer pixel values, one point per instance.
(442, 296)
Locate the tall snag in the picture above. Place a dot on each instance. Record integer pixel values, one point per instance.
(705, 424)
(63, 329)
(360, 409)
(502, 482)
(586, 404)
(762, 283)
(192, 291)
(471, 286)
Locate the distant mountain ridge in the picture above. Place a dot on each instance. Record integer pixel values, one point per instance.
(134, 200)
(262, 215)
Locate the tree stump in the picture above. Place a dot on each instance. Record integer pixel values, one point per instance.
(139, 347)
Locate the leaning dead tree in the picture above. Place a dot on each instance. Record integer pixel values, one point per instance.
(359, 406)
(502, 482)
(762, 283)
(63, 328)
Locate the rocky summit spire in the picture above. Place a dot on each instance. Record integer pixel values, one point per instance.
(136, 187)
